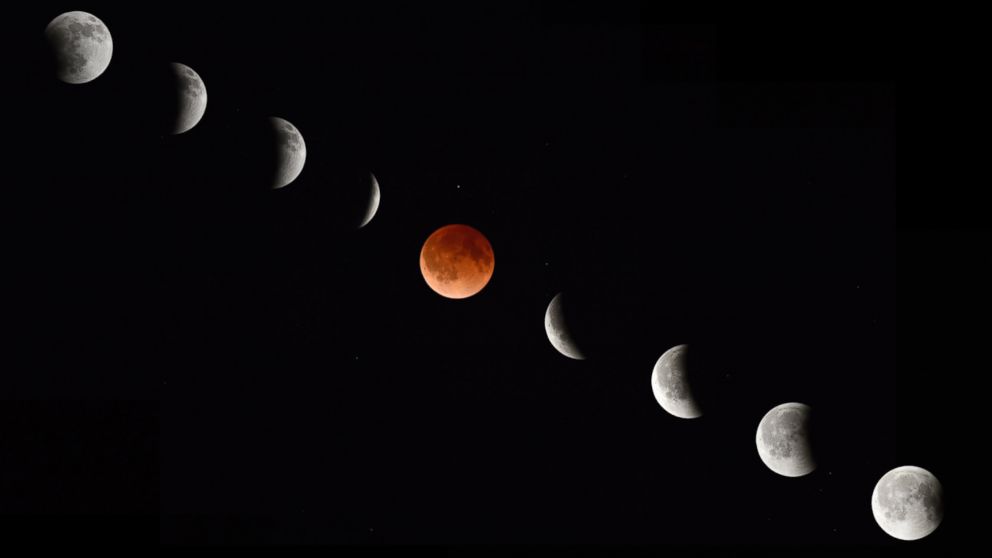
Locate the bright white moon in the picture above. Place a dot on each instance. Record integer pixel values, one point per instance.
(908, 503)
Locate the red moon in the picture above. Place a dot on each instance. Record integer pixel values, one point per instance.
(457, 261)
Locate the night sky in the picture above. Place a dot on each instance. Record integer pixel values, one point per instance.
(245, 365)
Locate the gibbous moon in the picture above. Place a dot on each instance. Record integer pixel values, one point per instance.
(783, 440)
(81, 46)
(373, 205)
(191, 100)
(558, 331)
(670, 383)
(908, 503)
(291, 152)
(457, 261)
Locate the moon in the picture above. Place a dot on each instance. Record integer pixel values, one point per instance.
(558, 331)
(81, 46)
(783, 440)
(291, 152)
(457, 261)
(670, 383)
(192, 98)
(373, 201)
(908, 503)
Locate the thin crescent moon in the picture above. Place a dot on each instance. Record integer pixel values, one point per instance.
(373, 203)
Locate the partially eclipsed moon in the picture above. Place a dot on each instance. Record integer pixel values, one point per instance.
(192, 98)
(670, 383)
(908, 503)
(457, 261)
(783, 440)
(558, 331)
(373, 204)
(81, 45)
(291, 152)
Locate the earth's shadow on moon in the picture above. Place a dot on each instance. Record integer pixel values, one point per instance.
(709, 368)
(254, 163)
(51, 52)
(337, 198)
(721, 363)
(155, 94)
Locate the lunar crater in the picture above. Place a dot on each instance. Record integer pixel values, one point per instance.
(89, 30)
(191, 84)
(290, 138)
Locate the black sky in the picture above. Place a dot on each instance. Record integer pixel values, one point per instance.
(251, 368)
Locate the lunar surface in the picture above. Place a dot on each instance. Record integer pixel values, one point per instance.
(908, 503)
(783, 440)
(558, 331)
(457, 261)
(81, 46)
(292, 152)
(373, 202)
(192, 98)
(670, 383)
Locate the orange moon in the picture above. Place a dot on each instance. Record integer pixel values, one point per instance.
(457, 261)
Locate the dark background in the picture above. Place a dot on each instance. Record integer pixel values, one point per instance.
(245, 366)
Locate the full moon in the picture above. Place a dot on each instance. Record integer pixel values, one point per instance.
(908, 503)
(81, 46)
(783, 440)
(457, 261)
(670, 383)
(191, 102)
(556, 326)
(291, 152)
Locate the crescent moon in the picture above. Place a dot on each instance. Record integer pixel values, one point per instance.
(192, 100)
(291, 152)
(373, 202)
(671, 386)
(558, 331)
